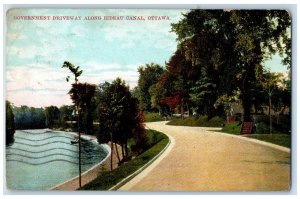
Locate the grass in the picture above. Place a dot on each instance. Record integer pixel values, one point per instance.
(153, 117)
(108, 179)
(197, 121)
(279, 139)
(233, 128)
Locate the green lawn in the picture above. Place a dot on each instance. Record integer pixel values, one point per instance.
(153, 117)
(276, 138)
(108, 179)
(279, 139)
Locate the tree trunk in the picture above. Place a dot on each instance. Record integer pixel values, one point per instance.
(123, 153)
(246, 103)
(182, 108)
(117, 151)
(126, 150)
(188, 109)
(111, 155)
(270, 105)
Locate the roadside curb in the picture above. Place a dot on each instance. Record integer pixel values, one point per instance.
(268, 144)
(134, 174)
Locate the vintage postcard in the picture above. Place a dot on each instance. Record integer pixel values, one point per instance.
(148, 99)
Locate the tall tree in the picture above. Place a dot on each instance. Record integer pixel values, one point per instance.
(117, 113)
(149, 75)
(52, 116)
(82, 95)
(76, 72)
(10, 123)
(240, 41)
(270, 82)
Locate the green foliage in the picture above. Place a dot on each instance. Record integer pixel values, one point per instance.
(262, 128)
(154, 137)
(10, 123)
(108, 179)
(203, 96)
(52, 117)
(74, 70)
(197, 121)
(82, 95)
(153, 117)
(66, 115)
(232, 128)
(29, 117)
(279, 139)
(149, 76)
(227, 102)
(119, 116)
(215, 122)
(222, 47)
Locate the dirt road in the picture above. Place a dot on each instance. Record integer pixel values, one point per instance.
(201, 160)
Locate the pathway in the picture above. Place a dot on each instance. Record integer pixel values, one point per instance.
(199, 159)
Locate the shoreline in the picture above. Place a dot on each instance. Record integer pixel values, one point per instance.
(92, 173)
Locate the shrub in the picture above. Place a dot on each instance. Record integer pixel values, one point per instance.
(215, 122)
(262, 128)
(232, 128)
(198, 121)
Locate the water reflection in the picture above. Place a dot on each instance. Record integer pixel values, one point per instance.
(40, 159)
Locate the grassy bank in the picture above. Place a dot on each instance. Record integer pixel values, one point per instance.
(197, 121)
(108, 179)
(233, 128)
(281, 139)
(153, 117)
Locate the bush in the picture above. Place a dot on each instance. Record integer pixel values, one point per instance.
(153, 117)
(262, 128)
(232, 128)
(197, 121)
(215, 122)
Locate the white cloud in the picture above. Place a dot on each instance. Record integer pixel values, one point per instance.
(35, 78)
(15, 36)
(38, 98)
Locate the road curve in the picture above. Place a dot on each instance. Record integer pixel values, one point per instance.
(200, 160)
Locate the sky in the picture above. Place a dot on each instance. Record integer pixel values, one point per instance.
(104, 49)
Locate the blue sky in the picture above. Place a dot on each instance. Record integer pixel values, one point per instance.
(105, 50)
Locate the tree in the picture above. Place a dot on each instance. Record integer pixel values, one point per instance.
(270, 83)
(52, 116)
(149, 76)
(227, 102)
(66, 114)
(203, 96)
(117, 115)
(231, 45)
(82, 95)
(10, 123)
(29, 117)
(76, 72)
(156, 92)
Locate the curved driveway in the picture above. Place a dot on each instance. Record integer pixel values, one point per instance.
(200, 160)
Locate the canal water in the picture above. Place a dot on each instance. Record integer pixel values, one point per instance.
(41, 159)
